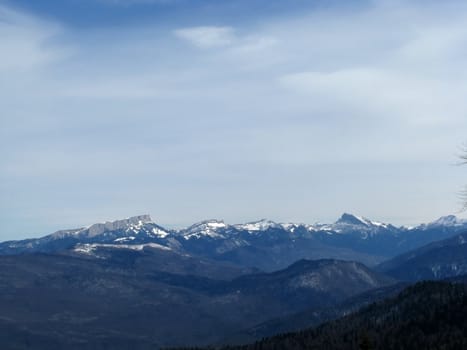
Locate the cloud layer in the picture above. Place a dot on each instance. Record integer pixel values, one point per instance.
(295, 117)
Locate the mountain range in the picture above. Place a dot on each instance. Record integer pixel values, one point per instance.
(133, 284)
(262, 244)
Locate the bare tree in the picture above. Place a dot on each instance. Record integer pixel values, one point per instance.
(463, 196)
(463, 161)
(463, 155)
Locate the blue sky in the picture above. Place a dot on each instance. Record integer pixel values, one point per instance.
(237, 110)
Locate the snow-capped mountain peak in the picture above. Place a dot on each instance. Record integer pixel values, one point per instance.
(131, 225)
(257, 226)
(449, 220)
(350, 219)
(214, 237)
(97, 229)
(208, 228)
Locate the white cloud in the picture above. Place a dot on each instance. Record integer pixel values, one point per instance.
(394, 95)
(207, 37)
(26, 42)
(252, 44)
(312, 107)
(136, 2)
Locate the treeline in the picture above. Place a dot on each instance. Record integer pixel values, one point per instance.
(427, 315)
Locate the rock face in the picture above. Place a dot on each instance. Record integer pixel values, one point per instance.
(98, 229)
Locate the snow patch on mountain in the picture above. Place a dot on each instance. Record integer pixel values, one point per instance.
(125, 239)
(89, 248)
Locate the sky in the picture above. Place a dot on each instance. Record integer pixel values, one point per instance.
(295, 111)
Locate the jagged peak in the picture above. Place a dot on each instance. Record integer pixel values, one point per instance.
(142, 225)
(145, 218)
(100, 228)
(448, 220)
(351, 219)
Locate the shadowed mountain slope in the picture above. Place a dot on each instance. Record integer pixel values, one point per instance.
(61, 301)
(428, 315)
(438, 260)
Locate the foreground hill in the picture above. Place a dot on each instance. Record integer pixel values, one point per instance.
(428, 315)
(312, 317)
(120, 298)
(263, 244)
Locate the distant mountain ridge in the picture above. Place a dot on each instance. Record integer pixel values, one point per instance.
(265, 244)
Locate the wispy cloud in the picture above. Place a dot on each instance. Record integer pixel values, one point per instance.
(137, 2)
(391, 94)
(207, 37)
(26, 41)
(295, 118)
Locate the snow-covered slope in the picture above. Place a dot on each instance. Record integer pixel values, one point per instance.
(208, 228)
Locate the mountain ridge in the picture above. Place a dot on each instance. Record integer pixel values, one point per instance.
(264, 244)
(258, 225)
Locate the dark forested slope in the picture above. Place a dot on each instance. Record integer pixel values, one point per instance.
(428, 315)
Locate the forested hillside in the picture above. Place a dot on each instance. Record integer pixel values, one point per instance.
(428, 315)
